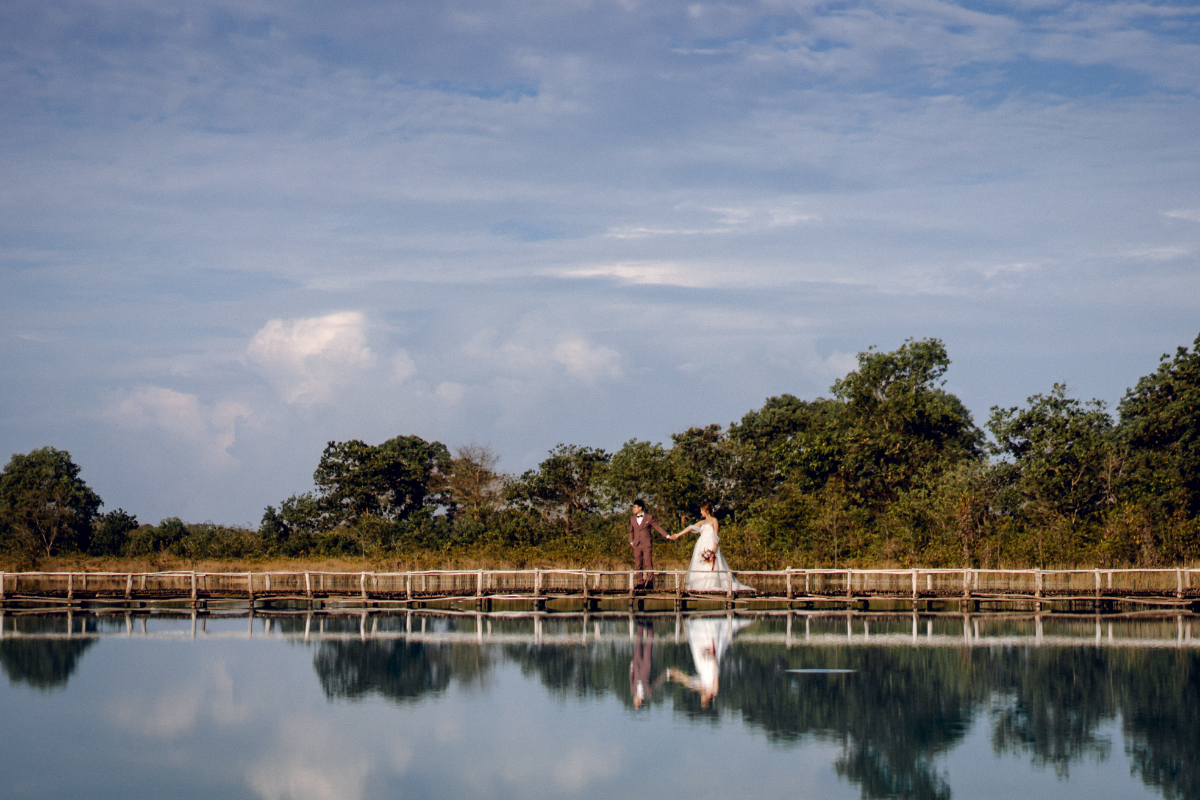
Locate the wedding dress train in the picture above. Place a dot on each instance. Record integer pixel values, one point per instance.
(709, 572)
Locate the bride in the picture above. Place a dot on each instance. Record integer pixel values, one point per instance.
(709, 572)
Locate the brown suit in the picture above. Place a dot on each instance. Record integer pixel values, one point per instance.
(641, 540)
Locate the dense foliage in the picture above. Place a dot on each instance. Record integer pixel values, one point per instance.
(891, 468)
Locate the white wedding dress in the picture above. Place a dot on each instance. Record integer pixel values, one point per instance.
(709, 572)
(709, 638)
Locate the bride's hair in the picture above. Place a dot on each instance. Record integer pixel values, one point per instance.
(706, 507)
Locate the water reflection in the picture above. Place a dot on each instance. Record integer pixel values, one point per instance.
(1061, 695)
(709, 639)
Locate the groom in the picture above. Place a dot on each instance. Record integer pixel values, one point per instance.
(641, 540)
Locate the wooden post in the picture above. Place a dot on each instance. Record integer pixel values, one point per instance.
(789, 587)
(1037, 581)
(250, 588)
(193, 587)
(479, 585)
(966, 584)
(362, 585)
(678, 586)
(537, 583)
(1179, 583)
(929, 582)
(849, 584)
(1097, 584)
(70, 585)
(142, 582)
(914, 588)
(631, 583)
(729, 588)
(1, 585)
(308, 585)
(585, 603)
(267, 579)
(128, 585)
(807, 583)
(408, 586)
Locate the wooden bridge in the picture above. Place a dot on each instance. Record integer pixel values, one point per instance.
(853, 588)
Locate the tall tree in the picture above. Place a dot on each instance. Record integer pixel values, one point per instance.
(45, 503)
(1061, 449)
(566, 486)
(393, 480)
(474, 485)
(1161, 419)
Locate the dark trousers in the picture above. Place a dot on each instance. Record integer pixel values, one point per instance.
(643, 562)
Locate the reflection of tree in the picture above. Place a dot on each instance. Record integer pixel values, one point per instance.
(1159, 695)
(894, 717)
(1054, 699)
(396, 670)
(42, 663)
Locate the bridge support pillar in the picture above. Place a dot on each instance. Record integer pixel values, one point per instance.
(483, 603)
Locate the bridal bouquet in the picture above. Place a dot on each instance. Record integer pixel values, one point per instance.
(709, 556)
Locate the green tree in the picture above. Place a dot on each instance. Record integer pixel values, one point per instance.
(46, 505)
(111, 535)
(897, 419)
(1062, 451)
(1161, 420)
(566, 487)
(393, 480)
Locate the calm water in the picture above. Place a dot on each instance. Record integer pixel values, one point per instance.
(429, 705)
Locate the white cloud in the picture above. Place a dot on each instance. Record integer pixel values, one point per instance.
(651, 273)
(1192, 214)
(588, 362)
(211, 429)
(403, 367)
(580, 359)
(308, 359)
(449, 392)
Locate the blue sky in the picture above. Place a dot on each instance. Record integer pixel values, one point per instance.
(230, 232)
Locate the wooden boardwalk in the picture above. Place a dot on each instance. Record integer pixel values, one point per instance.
(852, 587)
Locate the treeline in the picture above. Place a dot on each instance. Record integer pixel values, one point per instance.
(890, 469)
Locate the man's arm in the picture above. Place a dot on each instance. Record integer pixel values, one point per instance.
(657, 527)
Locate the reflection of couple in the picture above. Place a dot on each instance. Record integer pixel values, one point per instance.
(709, 638)
(708, 571)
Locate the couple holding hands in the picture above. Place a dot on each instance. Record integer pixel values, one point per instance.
(708, 571)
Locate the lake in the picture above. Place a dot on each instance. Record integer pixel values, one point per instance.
(433, 704)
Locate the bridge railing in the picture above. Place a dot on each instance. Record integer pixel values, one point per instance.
(830, 583)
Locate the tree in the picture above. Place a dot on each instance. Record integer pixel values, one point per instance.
(638, 469)
(393, 480)
(1161, 420)
(45, 503)
(1062, 451)
(112, 533)
(890, 426)
(473, 483)
(565, 486)
(699, 470)
(897, 419)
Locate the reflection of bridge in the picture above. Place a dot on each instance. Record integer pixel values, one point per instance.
(1029, 588)
(785, 628)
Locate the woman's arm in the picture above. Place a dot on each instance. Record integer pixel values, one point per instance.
(685, 530)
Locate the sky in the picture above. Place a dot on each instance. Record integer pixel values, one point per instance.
(231, 232)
